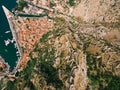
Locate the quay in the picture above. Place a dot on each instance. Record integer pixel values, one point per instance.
(14, 33)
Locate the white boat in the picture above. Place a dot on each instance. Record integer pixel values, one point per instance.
(7, 32)
(7, 42)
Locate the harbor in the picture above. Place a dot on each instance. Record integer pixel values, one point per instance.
(8, 47)
(9, 18)
(26, 32)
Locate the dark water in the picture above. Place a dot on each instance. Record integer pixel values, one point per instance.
(34, 16)
(7, 52)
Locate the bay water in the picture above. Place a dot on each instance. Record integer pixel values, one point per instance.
(8, 52)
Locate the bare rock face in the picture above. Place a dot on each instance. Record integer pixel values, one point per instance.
(98, 10)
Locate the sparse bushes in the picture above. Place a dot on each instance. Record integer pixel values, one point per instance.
(21, 5)
(50, 74)
(47, 70)
(29, 69)
(11, 86)
(71, 2)
(99, 79)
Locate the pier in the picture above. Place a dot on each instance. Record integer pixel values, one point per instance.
(9, 16)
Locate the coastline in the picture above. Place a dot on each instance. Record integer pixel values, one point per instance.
(6, 68)
(9, 18)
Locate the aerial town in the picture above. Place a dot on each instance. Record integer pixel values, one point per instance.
(64, 45)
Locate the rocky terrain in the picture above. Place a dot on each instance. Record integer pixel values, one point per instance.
(80, 52)
(98, 11)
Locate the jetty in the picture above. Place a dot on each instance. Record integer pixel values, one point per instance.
(9, 16)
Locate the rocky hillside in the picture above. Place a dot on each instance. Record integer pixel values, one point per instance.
(80, 52)
(98, 11)
(73, 56)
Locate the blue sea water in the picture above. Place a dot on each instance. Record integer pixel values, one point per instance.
(7, 52)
